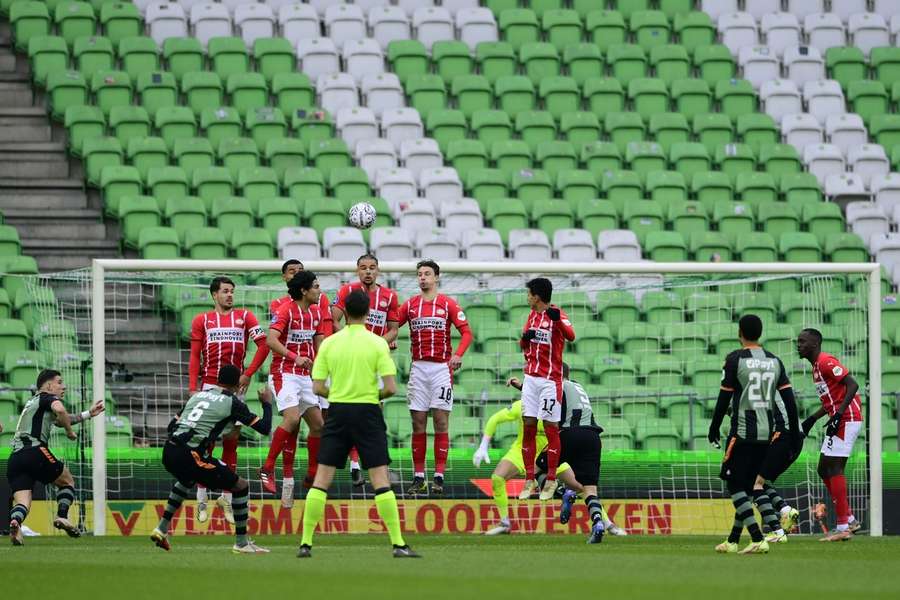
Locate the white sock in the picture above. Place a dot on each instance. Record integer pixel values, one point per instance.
(852, 519)
(422, 475)
(441, 475)
(843, 527)
(287, 480)
(779, 531)
(785, 509)
(201, 495)
(354, 465)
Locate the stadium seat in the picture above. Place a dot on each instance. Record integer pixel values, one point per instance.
(210, 21)
(92, 55)
(118, 182)
(714, 63)
(21, 367)
(606, 28)
(120, 20)
(135, 214)
(182, 214)
(166, 21)
(694, 29)
(74, 20)
(298, 21)
(29, 20)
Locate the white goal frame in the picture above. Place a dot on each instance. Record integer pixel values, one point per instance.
(100, 267)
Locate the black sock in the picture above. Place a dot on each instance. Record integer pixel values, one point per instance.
(737, 528)
(239, 504)
(595, 508)
(178, 494)
(744, 511)
(764, 504)
(775, 497)
(18, 513)
(65, 496)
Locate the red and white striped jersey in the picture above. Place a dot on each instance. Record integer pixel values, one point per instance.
(828, 376)
(382, 305)
(543, 353)
(429, 326)
(298, 329)
(324, 307)
(224, 339)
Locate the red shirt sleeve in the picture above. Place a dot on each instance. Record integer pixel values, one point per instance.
(256, 333)
(251, 326)
(282, 319)
(832, 369)
(458, 318)
(273, 307)
(393, 310)
(327, 324)
(197, 335)
(566, 326)
(403, 314)
(342, 296)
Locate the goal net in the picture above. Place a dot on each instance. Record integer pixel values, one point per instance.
(651, 339)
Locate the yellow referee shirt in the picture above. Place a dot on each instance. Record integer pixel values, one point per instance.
(354, 358)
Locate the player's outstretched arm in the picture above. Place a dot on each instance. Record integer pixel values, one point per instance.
(241, 412)
(810, 421)
(262, 350)
(62, 418)
(92, 412)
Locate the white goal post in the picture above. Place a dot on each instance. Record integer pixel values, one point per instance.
(100, 267)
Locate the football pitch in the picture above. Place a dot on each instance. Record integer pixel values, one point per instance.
(453, 566)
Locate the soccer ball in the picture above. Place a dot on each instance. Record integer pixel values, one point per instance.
(362, 215)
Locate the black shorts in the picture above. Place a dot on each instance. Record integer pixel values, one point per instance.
(190, 467)
(359, 425)
(30, 465)
(581, 448)
(779, 458)
(742, 462)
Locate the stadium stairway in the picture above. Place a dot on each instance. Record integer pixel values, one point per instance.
(41, 189)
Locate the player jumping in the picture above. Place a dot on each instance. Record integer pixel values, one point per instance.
(187, 453)
(430, 386)
(546, 331)
(31, 460)
(294, 337)
(837, 391)
(220, 337)
(382, 320)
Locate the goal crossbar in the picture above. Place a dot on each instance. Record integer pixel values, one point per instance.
(100, 267)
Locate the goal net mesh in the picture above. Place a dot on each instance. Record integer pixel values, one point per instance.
(649, 352)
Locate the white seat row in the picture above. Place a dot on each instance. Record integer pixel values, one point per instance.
(843, 9)
(865, 161)
(882, 189)
(374, 154)
(400, 187)
(845, 131)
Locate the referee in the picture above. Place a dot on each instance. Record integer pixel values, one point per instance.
(354, 359)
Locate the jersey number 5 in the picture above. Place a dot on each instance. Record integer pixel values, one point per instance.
(197, 412)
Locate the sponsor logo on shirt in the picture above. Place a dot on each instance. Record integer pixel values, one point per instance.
(838, 371)
(428, 323)
(218, 335)
(377, 318)
(238, 321)
(542, 336)
(383, 304)
(460, 316)
(300, 336)
(439, 311)
(822, 389)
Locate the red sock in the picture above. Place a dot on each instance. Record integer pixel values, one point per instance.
(839, 496)
(287, 456)
(354, 455)
(419, 441)
(312, 456)
(529, 449)
(441, 451)
(553, 450)
(229, 453)
(275, 448)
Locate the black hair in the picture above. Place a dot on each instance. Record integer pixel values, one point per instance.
(45, 376)
(216, 284)
(357, 304)
(290, 263)
(565, 370)
(429, 263)
(367, 256)
(750, 327)
(229, 375)
(815, 333)
(300, 283)
(541, 287)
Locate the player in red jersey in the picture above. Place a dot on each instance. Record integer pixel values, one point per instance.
(220, 337)
(381, 320)
(288, 270)
(546, 331)
(430, 388)
(294, 337)
(837, 391)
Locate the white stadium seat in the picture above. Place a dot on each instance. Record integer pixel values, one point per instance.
(529, 245)
(362, 58)
(886, 192)
(437, 244)
(344, 22)
(166, 20)
(738, 30)
(476, 25)
(301, 243)
(391, 243)
(398, 124)
(254, 21)
(574, 245)
(276, 5)
(298, 22)
(800, 130)
(396, 186)
(618, 245)
(454, 6)
(780, 97)
(845, 188)
(317, 57)
(823, 98)
(210, 20)
(782, 30)
(803, 64)
(356, 124)
(760, 8)
(804, 8)
(716, 8)
(845, 131)
(410, 6)
(382, 92)
(440, 184)
(823, 160)
(320, 6)
(867, 31)
(824, 31)
(374, 155)
(483, 244)
(459, 215)
(420, 154)
(388, 23)
(886, 249)
(432, 24)
(866, 219)
(867, 161)
(343, 243)
(885, 8)
(337, 91)
(417, 214)
(845, 8)
(758, 65)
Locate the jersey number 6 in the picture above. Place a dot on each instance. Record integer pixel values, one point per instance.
(197, 412)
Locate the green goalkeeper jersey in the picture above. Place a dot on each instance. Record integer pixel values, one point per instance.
(207, 414)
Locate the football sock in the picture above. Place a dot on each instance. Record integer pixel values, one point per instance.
(229, 453)
(386, 504)
(65, 496)
(775, 497)
(178, 495)
(278, 438)
(553, 449)
(744, 512)
(287, 455)
(737, 528)
(764, 504)
(419, 441)
(312, 453)
(313, 510)
(441, 451)
(501, 500)
(528, 449)
(202, 496)
(18, 513)
(594, 508)
(354, 458)
(839, 497)
(239, 506)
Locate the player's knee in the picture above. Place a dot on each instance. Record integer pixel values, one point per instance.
(241, 487)
(65, 479)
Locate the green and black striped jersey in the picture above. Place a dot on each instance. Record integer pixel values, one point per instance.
(207, 414)
(35, 422)
(576, 407)
(754, 376)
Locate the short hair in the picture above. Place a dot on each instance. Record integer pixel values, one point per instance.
(216, 284)
(565, 369)
(45, 376)
(357, 304)
(429, 263)
(367, 256)
(229, 375)
(541, 287)
(750, 327)
(290, 263)
(815, 333)
(300, 283)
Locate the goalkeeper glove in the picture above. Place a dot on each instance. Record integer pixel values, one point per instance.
(553, 313)
(834, 423)
(481, 455)
(807, 425)
(529, 335)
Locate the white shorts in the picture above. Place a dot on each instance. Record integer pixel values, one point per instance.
(430, 386)
(295, 391)
(542, 398)
(323, 402)
(842, 446)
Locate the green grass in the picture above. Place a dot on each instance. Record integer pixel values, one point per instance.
(453, 566)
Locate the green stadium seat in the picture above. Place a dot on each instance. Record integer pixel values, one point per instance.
(258, 182)
(779, 159)
(691, 97)
(183, 55)
(82, 123)
(687, 340)
(885, 129)
(510, 156)
(845, 247)
(845, 64)
(506, 214)
(129, 122)
(231, 214)
(205, 243)
(135, 214)
(252, 243)
(66, 88)
(551, 216)
(600, 157)
(665, 246)
(624, 128)
(583, 61)
(165, 183)
(118, 432)
(604, 96)
(824, 219)
(202, 90)
(617, 434)
(714, 64)
(481, 309)
(211, 183)
(800, 189)
(111, 89)
(713, 131)
(21, 367)
(756, 247)
(407, 57)
(446, 126)
(320, 213)
(10, 244)
(595, 341)
(47, 54)
(621, 188)
(539, 60)
(464, 155)
(627, 62)
(559, 95)
(708, 307)
(515, 94)
(494, 338)
(273, 56)
(657, 434)
(615, 308)
(689, 158)
(661, 307)
(31, 305)
(800, 247)
(220, 124)
(531, 186)
(472, 93)
(710, 188)
(118, 182)
(74, 20)
(293, 92)
(650, 28)
(639, 338)
(636, 404)
(426, 92)
(613, 370)
(606, 28)
(535, 127)
(671, 63)
(303, 182)
(121, 20)
(734, 159)
(99, 153)
(580, 127)
(348, 182)
(192, 154)
(17, 265)
(867, 99)
(283, 153)
(157, 90)
(686, 217)
(734, 218)
(28, 20)
(666, 188)
(518, 27)
(736, 97)
(265, 124)
(173, 122)
(694, 29)
(451, 59)
(648, 96)
(758, 131)
(138, 55)
(227, 56)
(644, 157)
(778, 218)
(556, 156)
(183, 214)
(277, 213)
(575, 186)
(248, 92)
(596, 215)
(495, 60)
(13, 335)
(238, 153)
(705, 246)
(757, 189)
(486, 184)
